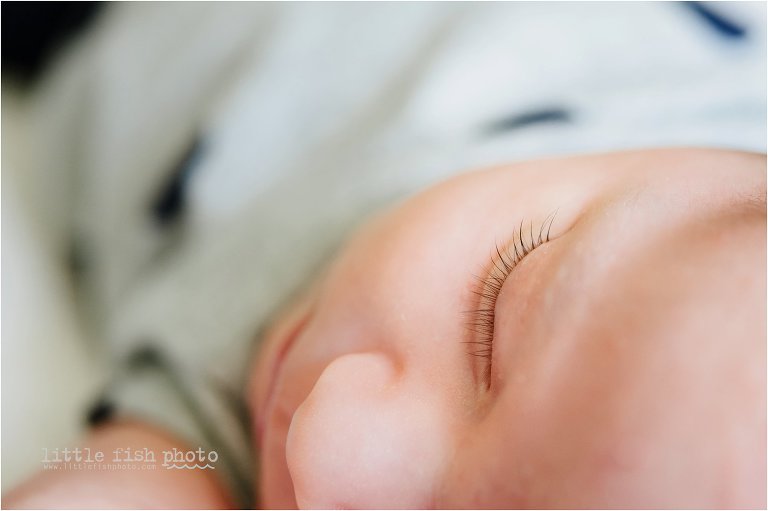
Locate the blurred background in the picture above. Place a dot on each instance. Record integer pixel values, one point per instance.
(162, 163)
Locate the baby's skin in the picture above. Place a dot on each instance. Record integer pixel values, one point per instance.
(586, 332)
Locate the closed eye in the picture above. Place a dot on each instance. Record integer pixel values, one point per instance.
(480, 320)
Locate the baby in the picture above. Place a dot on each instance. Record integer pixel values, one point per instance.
(565, 333)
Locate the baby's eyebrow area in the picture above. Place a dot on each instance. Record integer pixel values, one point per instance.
(754, 203)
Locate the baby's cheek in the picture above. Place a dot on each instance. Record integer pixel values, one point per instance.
(366, 438)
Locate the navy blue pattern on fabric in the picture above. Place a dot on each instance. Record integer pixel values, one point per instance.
(525, 119)
(723, 26)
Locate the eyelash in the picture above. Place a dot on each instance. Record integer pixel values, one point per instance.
(481, 320)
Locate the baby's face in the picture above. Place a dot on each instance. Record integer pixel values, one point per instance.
(610, 353)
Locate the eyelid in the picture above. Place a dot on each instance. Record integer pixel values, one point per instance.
(481, 320)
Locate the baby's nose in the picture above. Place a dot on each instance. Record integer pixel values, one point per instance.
(365, 439)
